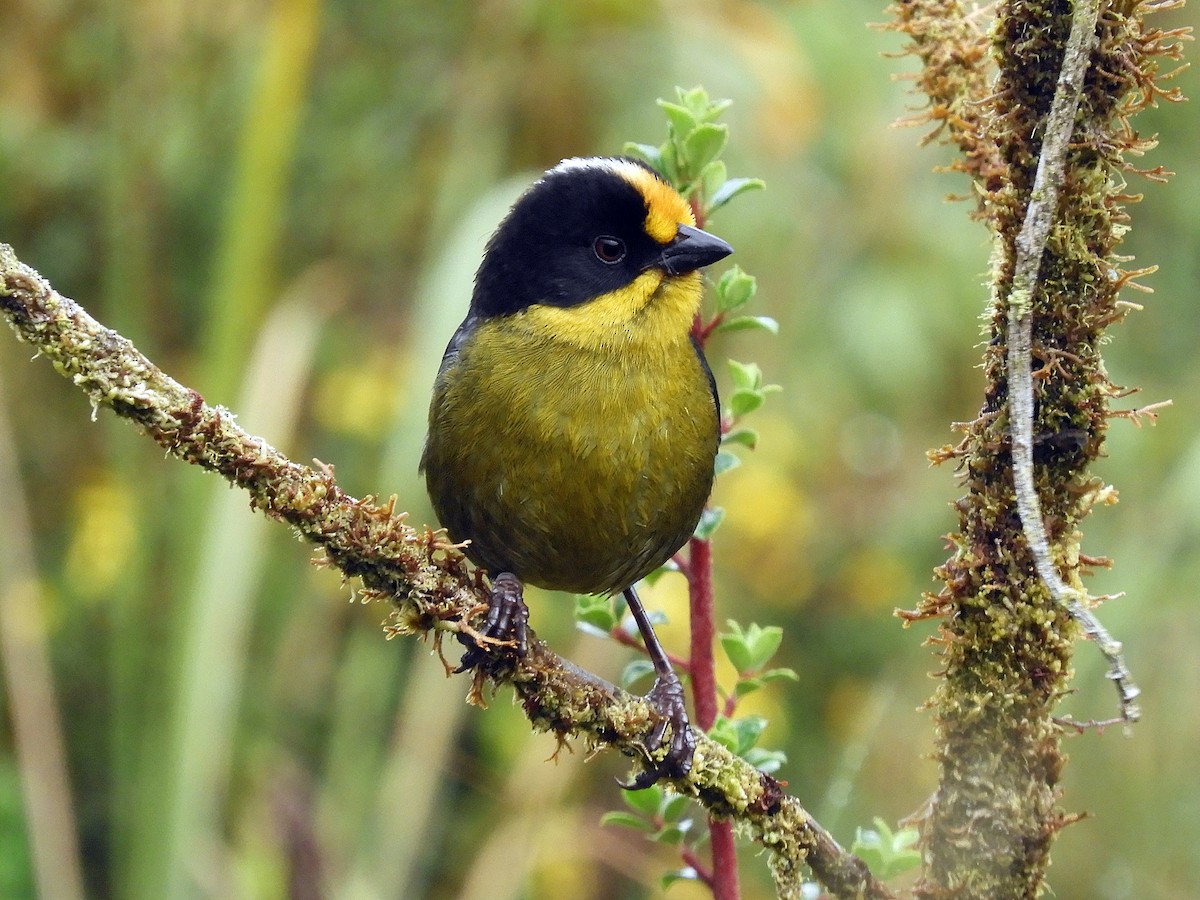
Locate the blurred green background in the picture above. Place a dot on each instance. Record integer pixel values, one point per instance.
(283, 205)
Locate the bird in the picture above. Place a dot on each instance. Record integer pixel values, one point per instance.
(574, 421)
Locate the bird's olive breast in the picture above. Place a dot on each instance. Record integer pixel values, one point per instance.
(575, 470)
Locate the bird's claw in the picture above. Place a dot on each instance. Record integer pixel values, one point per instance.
(507, 624)
(667, 699)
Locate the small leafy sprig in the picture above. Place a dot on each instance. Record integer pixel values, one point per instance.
(748, 394)
(666, 818)
(749, 650)
(736, 289)
(886, 852)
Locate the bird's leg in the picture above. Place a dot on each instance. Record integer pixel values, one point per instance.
(668, 700)
(507, 623)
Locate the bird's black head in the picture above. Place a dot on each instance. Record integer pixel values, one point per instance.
(587, 228)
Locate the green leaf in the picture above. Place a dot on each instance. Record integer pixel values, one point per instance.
(715, 108)
(667, 567)
(710, 520)
(703, 145)
(737, 735)
(887, 853)
(746, 437)
(748, 323)
(737, 649)
(596, 612)
(748, 730)
(732, 188)
(724, 734)
(765, 760)
(694, 99)
(749, 391)
(750, 649)
(740, 735)
(648, 152)
(645, 801)
(734, 289)
(764, 642)
(682, 122)
(748, 686)
(675, 806)
(761, 643)
(629, 624)
(671, 835)
(634, 671)
(670, 163)
(745, 401)
(684, 874)
(745, 375)
(656, 617)
(726, 461)
(713, 178)
(627, 820)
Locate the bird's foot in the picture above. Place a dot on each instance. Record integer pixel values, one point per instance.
(507, 624)
(667, 699)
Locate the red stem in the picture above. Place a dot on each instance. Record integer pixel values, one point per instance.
(730, 706)
(689, 857)
(703, 668)
(705, 330)
(724, 861)
(723, 879)
(701, 662)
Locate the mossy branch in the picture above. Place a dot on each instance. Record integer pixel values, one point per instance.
(1036, 95)
(427, 580)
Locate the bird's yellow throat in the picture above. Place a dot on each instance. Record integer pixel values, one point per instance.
(653, 310)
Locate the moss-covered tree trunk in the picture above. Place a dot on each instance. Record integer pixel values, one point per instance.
(1005, 639)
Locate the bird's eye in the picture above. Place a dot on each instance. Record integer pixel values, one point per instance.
(609, 249)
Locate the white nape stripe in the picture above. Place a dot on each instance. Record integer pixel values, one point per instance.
(604, 163)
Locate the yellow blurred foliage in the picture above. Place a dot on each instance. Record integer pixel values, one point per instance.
(845, 704)
(102, 537)
(357, 398)
(873, 580)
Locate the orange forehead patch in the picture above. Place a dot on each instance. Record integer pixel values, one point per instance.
(665, 209)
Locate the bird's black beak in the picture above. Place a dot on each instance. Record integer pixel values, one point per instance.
(692, 249)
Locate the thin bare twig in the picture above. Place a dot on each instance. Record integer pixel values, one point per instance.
(1031, 245)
